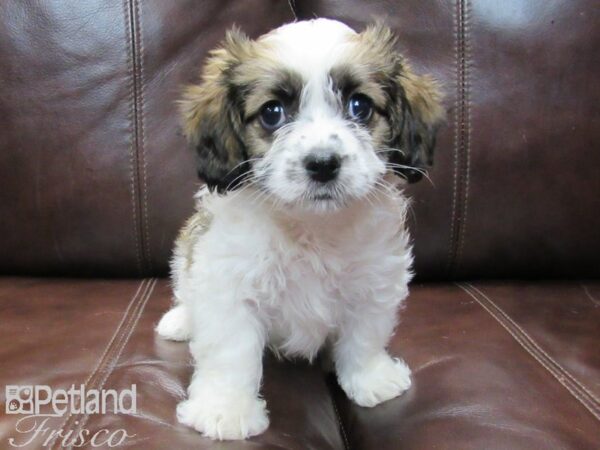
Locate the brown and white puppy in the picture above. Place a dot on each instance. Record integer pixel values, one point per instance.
(299, 242)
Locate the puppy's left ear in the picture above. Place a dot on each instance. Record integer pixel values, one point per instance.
(415, 120)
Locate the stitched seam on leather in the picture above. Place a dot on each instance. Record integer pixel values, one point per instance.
(587, 293)
(132, 145)
(292, 4)
(339, 419)
(69, 424)
(529, 345)
(466, 129)
(536, 348)
(103, 355)
(128, 331)
(139, 45)
(518, 327)
(455, 172)
(461, 134)
(137, 151)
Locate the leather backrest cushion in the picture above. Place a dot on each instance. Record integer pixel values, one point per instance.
(95, 177)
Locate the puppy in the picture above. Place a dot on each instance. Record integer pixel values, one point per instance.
(300, 239)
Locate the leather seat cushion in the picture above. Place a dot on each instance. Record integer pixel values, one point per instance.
(504, 365)
(495, 365)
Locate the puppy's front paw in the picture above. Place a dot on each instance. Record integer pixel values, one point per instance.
(381, 380)
(223, 419)
(175, 325)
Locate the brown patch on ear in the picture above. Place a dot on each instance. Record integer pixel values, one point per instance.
(376, 47)
(414, 109)
(422, 113)
(212, 115)
(424, 95)
(415, 103)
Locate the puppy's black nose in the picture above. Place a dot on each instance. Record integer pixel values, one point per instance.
(323, 168)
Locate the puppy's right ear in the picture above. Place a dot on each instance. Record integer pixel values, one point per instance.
(212, 116)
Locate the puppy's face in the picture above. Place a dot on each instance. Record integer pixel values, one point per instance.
(313, 114)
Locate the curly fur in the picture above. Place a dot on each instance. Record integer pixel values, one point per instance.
(270, 258)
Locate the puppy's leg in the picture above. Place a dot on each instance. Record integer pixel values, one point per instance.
(365, 371)
(224, 398)
(176, 324)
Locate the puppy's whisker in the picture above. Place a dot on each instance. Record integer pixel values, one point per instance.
(404, 166)
(382, 189)
(249, 160)
(370, 197)
(390, 150)
(232, 182)
(416, 169)
(393, 197)
(255, 196)
(251, 181)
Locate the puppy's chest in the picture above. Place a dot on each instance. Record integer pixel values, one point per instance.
(315, 278)
(322, 260)
(315, 275)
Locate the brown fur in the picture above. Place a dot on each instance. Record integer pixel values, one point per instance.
(414, 108)
(242, 75)
(189, 234)
(211, 115)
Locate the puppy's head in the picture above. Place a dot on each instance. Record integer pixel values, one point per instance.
(313, 114)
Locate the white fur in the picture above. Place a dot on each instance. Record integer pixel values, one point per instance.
(279, 268)
(311, 49)
(262, 276)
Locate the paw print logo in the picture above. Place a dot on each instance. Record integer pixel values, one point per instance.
(19, 399)
(13, 406)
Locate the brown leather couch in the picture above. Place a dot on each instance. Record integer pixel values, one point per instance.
(502, 326)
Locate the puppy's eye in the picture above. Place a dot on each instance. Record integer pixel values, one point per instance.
(272, 115)
(360, 108)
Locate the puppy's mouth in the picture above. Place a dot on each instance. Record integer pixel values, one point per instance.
(326, 198)
(325, 192)
(322, 197)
